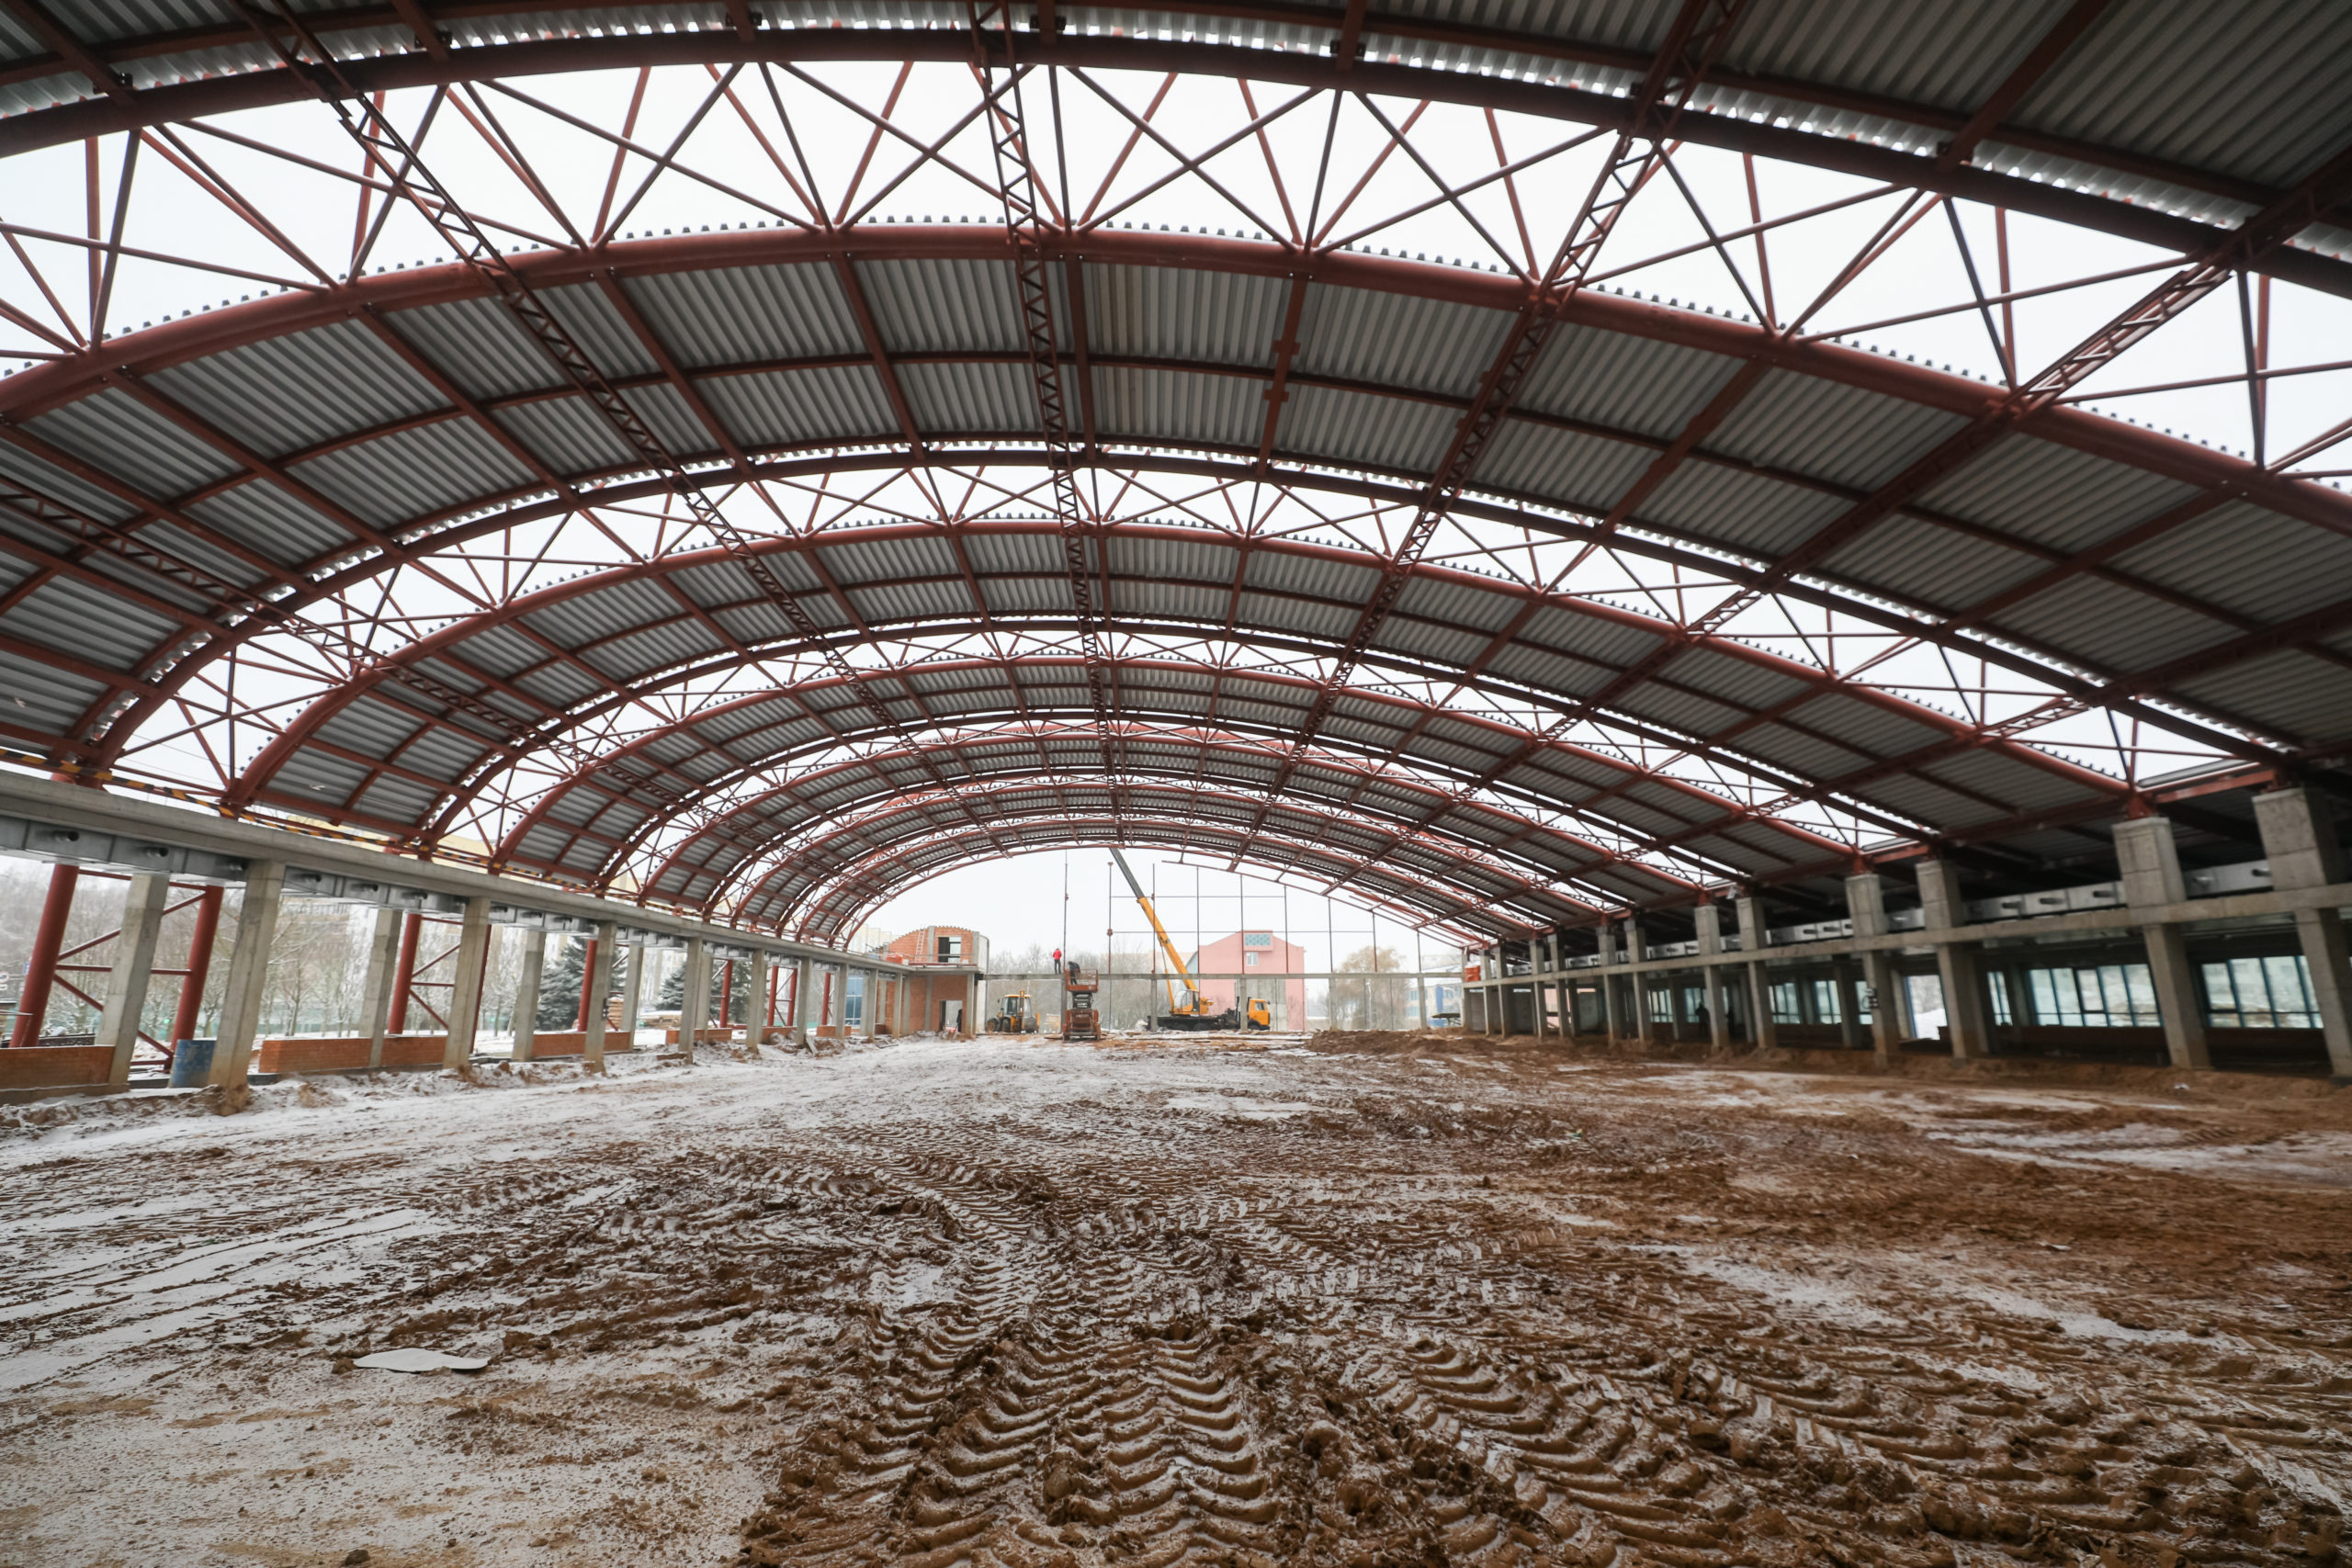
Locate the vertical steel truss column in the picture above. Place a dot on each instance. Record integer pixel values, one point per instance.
(465, 985)
(2150, 862)
(40, 970)
(241, 993)
(1960, 963)
(376, 995)
(134, 966)
(526, 994)
(599, 981)
(186, 1016)
(2299, 837)
(589, 1000)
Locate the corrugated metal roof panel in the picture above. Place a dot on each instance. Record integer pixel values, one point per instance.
(1031, 550)
(2051, 494)
(1624, 382)
(1927, 563)
(112, 432)
(2018, 785)
(1601, 637)
(1185, 601)
(568, 435)
(1685, 712)
(1291, 572)
(1864, 725)
(1218, 318)
(1459, 604)
(1346, 428)
(398, 479)
(1732, 679)
(582, 618)
(2210, 86)
(1804, 755)
(1179, 406)
(2110, 627)
(2290, 692)
(888, 559)
(1304, 616)
(479, 344)
(1744, 511)
(287, 393)
(970, 400)
(1429, 640)
(38, 474)
(665, 409)
(797, 408)
(1951, 54)
(1360, 335)
(1027, 595)
(941, 307)
(656, 648)
(1549, 672)
(747, 314)
(2246, 559)
(79, 618)
(1156, 559)
(266, 520)
(912, 600)
(1586, 473)
(1828, 429)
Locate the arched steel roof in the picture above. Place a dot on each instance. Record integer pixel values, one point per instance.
(2166, 120)
(196, 509)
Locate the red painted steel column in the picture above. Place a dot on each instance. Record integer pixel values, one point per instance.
(405, 973)
(588, 982)
(200, 966)
(40, 972)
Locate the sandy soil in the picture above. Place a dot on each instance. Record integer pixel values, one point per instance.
(1372, 1301)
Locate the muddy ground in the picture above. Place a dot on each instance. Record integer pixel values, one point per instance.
(1373, 1301)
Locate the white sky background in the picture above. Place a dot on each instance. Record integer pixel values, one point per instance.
(46, 194)
(1019, 901)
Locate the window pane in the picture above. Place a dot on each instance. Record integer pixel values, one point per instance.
(2221, 1000)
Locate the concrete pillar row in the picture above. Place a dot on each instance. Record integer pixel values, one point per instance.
(376, 990)
(1634, 985)
(1613, 1018)
(1960, 963)
(801, 970)
(1866, 906)
(598, 987)
(755, 1027)
(242, 991)
(693, 1001)
(2299, 837)
(1763, 1029)
(2150, 862)
(532, 975)
(465, 991)
(640, 958)
(1711, 944)
(134, 966)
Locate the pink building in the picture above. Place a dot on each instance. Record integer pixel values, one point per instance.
(1252, 954)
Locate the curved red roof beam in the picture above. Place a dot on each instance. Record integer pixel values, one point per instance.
(1292, 835)
(703, 868)
(1780, 133)
(128, 701)
(559, 826)
(840, 906)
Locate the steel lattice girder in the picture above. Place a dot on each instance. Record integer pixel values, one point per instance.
(1761, 107)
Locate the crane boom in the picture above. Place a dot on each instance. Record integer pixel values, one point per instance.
(1199, 1004)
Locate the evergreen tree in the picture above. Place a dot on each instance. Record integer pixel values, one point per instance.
(673, 990)
(559, 988)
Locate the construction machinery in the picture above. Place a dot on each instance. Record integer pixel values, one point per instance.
(1013, 1015)
(1193, 1012)
(1080, 1020)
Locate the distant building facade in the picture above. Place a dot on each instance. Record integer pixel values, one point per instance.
(934, 995)
(1253, 955)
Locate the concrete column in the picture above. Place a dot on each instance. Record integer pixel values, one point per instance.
(134, 966)
(755, 1024)
(1613, 1018)
(1866, 905)
(640, 959)
(2147, 855)
(241, 993)
(1959, 964)
(1643, 1030)
(1763, 1029)
(600, 985)
(1711, 944)
(376, 992)
(2299, 836)
(526, 994)
(465, 991)
(694, 997)
(801, 973)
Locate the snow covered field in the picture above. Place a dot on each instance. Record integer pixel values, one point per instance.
(1020, 1302)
